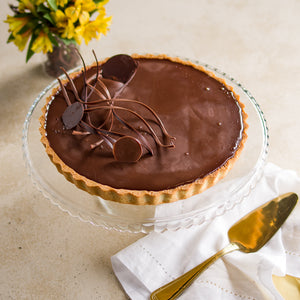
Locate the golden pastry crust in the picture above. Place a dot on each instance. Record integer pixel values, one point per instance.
(143, 197)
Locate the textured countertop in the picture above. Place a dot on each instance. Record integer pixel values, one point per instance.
(47, 254)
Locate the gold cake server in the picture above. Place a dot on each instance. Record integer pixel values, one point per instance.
(248, 235)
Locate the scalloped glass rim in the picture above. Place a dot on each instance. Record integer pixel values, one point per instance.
(233, 189)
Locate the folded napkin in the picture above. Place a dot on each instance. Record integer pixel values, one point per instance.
(159, 258)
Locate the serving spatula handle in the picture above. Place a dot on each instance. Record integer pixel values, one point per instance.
(174, 288)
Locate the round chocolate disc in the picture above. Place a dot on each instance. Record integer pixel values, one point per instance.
(73, 115)
(127, 149)
(119, 67)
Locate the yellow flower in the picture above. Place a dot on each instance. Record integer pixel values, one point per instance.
(59, 18)
(86, 5)
(101, 4)
(92, 29)
(73, 13)
(65, 22)
(16, 23)
(84, 18)
(68, 31)
(78, 34)
(42, 43)
(74, 22)
(61, 3)
(20, 40)
(88, 32)
(65, 19)
(102, 22)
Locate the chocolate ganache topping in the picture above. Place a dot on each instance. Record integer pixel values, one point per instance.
(109, 122)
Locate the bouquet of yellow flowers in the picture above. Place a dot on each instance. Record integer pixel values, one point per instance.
(45, 23)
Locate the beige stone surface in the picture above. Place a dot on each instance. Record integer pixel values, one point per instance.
(47, 254)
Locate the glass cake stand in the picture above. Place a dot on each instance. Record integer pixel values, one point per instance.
(233, 189)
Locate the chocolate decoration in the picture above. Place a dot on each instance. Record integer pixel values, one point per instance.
(190, 103)
(120, 67)
(127, 149)
(73, 115)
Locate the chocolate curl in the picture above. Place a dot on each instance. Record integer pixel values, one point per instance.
(97, 75)
(154, 135)
(103, 133)
(153, 113)
(108, 118)
(152, 132)
(142, 138)
(74, 90)
(66, 96)
(84, 76)
(120, 68)
(102, 96)
(97, 64)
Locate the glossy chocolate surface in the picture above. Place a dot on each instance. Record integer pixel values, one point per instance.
(199, 111)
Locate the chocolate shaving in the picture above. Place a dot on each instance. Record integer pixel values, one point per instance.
(124, 148)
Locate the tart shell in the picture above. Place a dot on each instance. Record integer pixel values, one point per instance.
(143, 197)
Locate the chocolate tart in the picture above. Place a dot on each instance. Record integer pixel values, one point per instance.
(143, 129)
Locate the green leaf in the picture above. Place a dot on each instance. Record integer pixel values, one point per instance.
(42, 8)
(98, 1)
(29, 51)
(24, 29)
(92, 12)
(52, 4)
(10, 38)
(47, 16)
(52, 39)
(68, 41)
(29, 54)
(22, 15)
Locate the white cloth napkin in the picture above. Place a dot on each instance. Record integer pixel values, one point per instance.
(159, 258)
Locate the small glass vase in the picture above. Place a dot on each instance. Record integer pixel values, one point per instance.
(62, 56)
